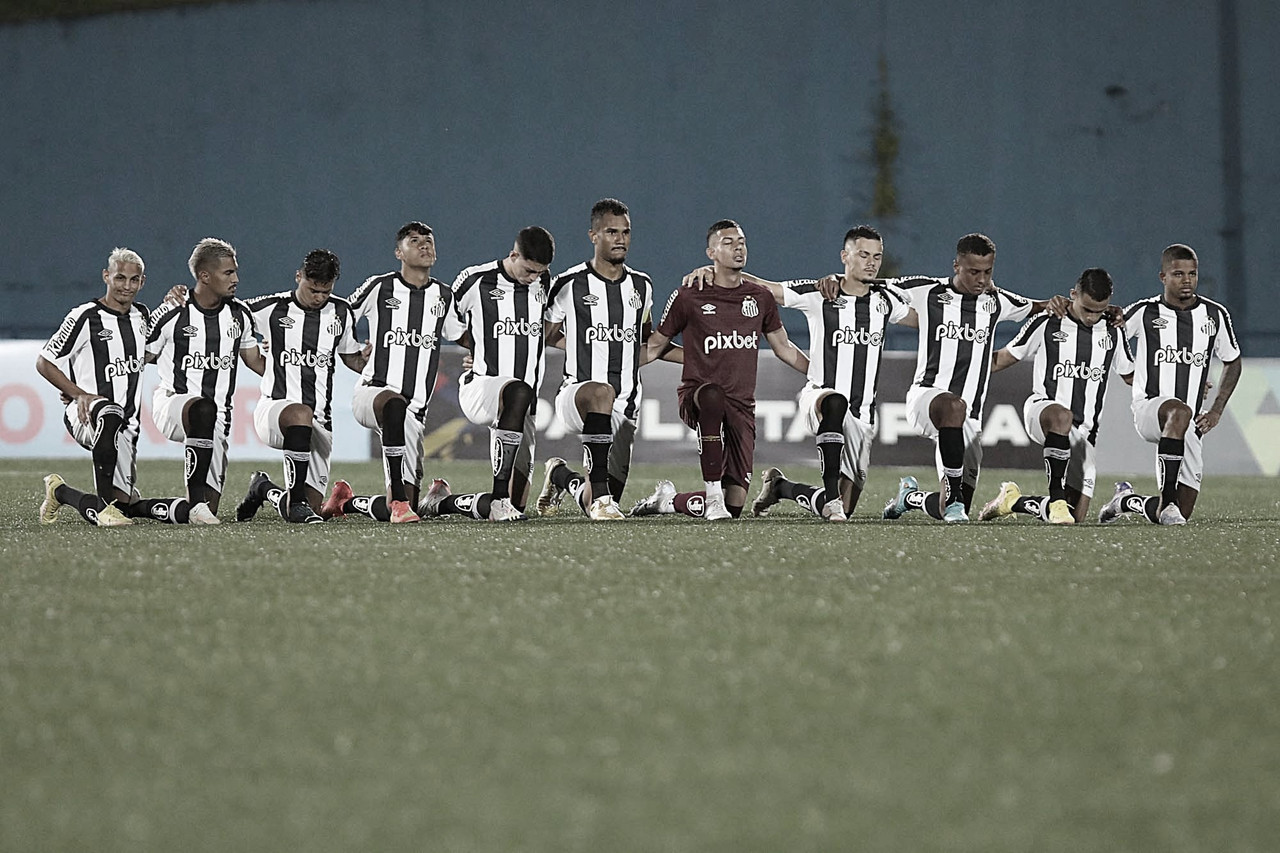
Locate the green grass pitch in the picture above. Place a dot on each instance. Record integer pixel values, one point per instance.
(656, 685)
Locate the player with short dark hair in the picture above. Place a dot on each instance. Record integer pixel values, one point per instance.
(198, 346)
(499, 307)
(409, 313)
(305, 331)
(1179, 333)
(958, 316)
(1074, 356)
(721, 327)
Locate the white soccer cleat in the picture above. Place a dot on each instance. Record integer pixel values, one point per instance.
(713, 509)
(201, 514)
(661, 502)
(1114, 508)
(1002, 504)
(897, 505)
(605, 508)
(954, 513)
(111, 516)
(769, 495)
(503, 509)
(1171, 515)
(429, 506)
(50, 505)
(833, 510)
(551, 495)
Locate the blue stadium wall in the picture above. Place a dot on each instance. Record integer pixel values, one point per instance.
(1080, 137)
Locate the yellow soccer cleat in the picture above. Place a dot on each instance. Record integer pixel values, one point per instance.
(1060, 513)
(111, 516)
(1002, 504)
(50, 506)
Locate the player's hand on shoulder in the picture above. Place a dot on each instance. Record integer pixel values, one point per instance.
(177, 296)
(699, 278)
(1058, 305)
(829, 287)
(1115, 316)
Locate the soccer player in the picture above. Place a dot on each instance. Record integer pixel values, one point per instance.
(409, 314)
(101, 347)
(500, 305)
(599, 312)
(721, 328)
(198, 346)
(846, 337)
(1074, 357)
(305, 332)
(958, 316)
(1178, 335)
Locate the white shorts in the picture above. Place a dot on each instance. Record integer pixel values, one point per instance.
(166, 411)
(1146, 420)
(125, 476)
(918, 401)
(1082, 467)
(855, 457)
(362, 399)
(480, 396)
(266, 423)
(624, 429)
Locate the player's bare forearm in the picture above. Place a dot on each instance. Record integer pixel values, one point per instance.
(673, 353)
(252, 356)
(356, 360)
(1002, 359)
(1226, 386)
(553, 335)
(786, 351)
(655, 347)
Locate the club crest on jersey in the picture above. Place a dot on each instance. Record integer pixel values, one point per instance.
(391, 303)
(882, 305)
(107, 334)
(497, 293)
(591, 300)
(438, 308)
(1107, 343)
(988, 304)
(1210, 327)
(335, 328)
(286, 322)
(749, 307)
(1160, 323)
(635, 301)
(190, 331)
(708, 308)
(1060, 337)
(235, 329)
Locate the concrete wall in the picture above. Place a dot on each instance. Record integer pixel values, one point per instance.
(1074, 138)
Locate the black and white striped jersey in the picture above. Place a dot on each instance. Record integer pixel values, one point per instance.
(1175, 346)
(505, 321)
(1072, 363)
(103, 352)
(957, 332)
(407, 326)
(846, 338)
(603, 324)
(303, 345)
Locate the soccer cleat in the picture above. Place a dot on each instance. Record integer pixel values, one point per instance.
(50, 505)
(429, 506)
(402, 513)
(896, 507)
(1114, 508)
(502, 509)
(832, 510)
(111, 516)
(955, 513)
(770, 480)
(1171, 515)
(713, 509)
(302, 513)
(551, 495)
(201, 514)
(332, 508)
(1060, 513)
(1002, 504)
(605, 508)
(661, 502)
(249, 507)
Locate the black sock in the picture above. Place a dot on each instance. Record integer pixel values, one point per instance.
(931, 503)
(1033, 505)
(1148, 507)
(830, 440)
(297, 459)
(86, 504)
(472, 505)
(393, 415)
(369, 506)
(164, 510)
(1169, 461)
(506, 444)
(1057, 453)
(951, 449)
(597, 439)
(106, 451)
(812, 498)
(201, 417)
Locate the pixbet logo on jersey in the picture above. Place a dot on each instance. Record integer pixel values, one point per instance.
(960, 332)
(125, 366)
(304, 358)
(208, 361)
(408, 338)
(520, 328)
(733, 340)
(1173, 355)
(1078, 370)
(610, 334)
(860, 337)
